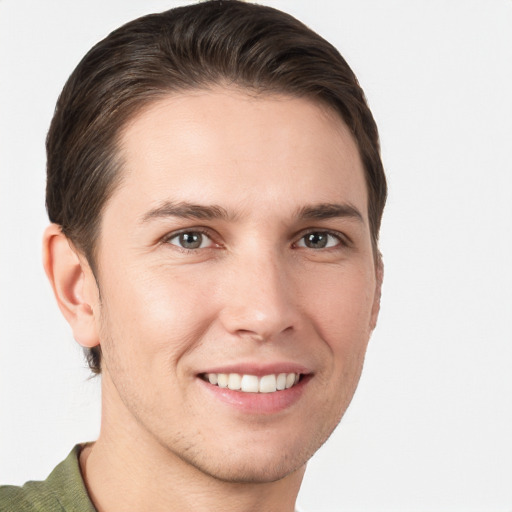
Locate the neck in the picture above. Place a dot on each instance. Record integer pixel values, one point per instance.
(127, 469)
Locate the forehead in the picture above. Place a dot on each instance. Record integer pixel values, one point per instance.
(227, 146)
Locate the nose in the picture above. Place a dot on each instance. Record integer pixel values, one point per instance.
(258, 298)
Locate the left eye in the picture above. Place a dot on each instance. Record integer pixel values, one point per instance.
(191, 240)
(318, 240)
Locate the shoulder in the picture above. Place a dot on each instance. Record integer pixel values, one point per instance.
(63, 491)
(31, 497)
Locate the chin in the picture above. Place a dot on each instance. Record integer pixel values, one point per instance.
(258, 459)
(253, 471)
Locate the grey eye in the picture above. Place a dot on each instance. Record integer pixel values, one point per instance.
(191, 240)
(318, 240)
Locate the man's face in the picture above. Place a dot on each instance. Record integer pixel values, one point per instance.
(236, 249)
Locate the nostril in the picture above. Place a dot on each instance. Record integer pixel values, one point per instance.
(245, 333)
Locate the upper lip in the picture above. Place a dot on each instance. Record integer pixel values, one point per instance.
(259, 369)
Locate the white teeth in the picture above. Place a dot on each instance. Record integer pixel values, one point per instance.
(250, 384)
(222, 380)
(268, 384)
(290, 380)
(281, 381)
(235, 381)
(253, 384)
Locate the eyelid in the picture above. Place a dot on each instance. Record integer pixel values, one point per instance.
(201, 230)
(344, 240)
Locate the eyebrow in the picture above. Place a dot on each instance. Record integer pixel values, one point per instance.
(187, 211)
(329, 211)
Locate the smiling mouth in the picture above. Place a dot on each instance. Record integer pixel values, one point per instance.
(252, 383)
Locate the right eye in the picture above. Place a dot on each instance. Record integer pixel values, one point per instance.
(191, 240)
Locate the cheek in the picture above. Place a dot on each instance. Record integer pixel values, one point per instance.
(156, 315)
(341, 311)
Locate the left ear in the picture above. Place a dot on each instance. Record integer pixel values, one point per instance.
(379, 276)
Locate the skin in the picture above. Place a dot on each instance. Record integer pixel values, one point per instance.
(254, 293)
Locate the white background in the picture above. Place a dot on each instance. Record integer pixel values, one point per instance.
(430, 428)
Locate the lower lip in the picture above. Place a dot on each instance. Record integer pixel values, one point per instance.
(258, 403)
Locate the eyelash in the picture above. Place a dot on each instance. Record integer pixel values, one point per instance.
(342, 240)
(339, 237)
(167, 239)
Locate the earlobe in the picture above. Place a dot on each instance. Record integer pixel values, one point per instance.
(73, 285)
(379, 277)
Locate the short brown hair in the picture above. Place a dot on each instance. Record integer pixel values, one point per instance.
(194, 47)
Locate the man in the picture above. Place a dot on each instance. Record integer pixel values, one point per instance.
(215, 191)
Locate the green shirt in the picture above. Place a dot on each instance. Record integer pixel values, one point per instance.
(63, 491)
